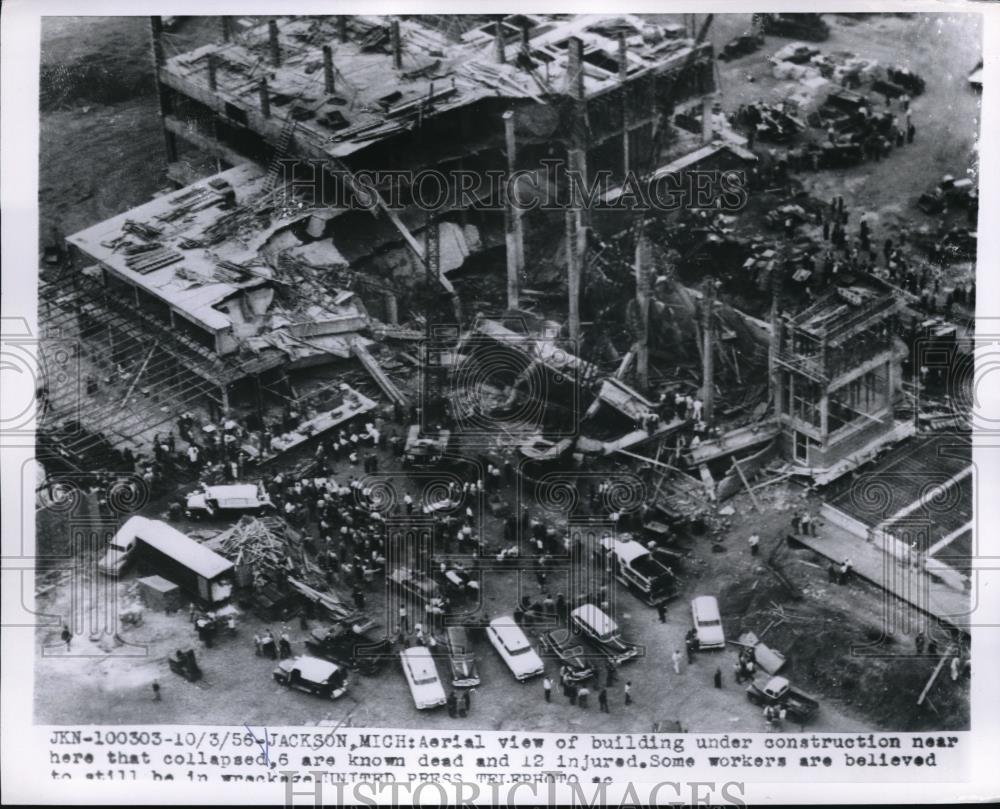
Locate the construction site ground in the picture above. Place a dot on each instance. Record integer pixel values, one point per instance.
(859, 690)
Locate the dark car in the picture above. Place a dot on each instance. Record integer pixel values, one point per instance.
(312, 675)
(351, 648)
(564, 645)
(464, 671)
(415, 585)
(741, 46)
(907, 79)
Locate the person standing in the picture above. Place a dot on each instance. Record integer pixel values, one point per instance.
(547, 688)
(156, 691)
(452, 705)
(404, 621)
(581, 696)
(602, 700)
(661, 610)
(754, 542)
(67, 636)
(465, 702)
(571, 691)
(919, 641)
(628, 692)
(676, 658)
(717, 678)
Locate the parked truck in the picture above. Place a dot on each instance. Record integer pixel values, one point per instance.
(810, 27)
(638, 569)
(778, 691)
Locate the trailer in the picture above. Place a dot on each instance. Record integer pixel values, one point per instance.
(163, 550)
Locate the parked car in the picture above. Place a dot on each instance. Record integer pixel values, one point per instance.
(801, 707)
(424, 448)
(464, 671)
(422, 677)
(707, 623)
(563, 644)
(315, 676)
(349, 647)
(602, 633)
(960, 193)
(122, 544)
(512, 645)
(913, 83)
(208, 501)
(798, 53)
(419, 587)
(741, 46)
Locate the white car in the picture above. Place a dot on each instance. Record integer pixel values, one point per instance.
(707, 623)
(210, 500)
(422, 677)
(512, 645)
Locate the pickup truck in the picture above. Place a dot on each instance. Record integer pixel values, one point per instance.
(778, 691)
(635, 567)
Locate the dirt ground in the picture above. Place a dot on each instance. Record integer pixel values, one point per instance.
(91, 684)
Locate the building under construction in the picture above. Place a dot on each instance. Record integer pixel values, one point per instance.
(231, 282)
(836, 372)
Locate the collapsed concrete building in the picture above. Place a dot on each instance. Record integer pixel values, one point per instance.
(307, 248)
(273, 264)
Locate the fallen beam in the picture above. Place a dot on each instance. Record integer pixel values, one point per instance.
(371, 365)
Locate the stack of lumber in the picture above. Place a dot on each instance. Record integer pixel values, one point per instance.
(150, 260)
(259, 546)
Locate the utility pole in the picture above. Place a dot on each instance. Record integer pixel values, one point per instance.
(707, 355)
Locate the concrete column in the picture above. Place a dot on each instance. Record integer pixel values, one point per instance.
(498, 43)
(342, 28)
(706, 119)
(272, 34)
(265, 99)
(622, 56)
(573, 273)
(156, 27)
(708, 353)
(577, 156)
(328, 69)
(213, 66)
(397, 47)
(526, 36)
(626, 104)
(514, 231)
(643, 267)
(391, 309)
(162, 94)
(574, 68)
